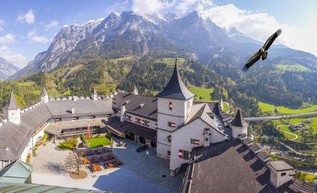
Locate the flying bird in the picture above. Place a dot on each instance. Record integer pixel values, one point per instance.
(263, 51)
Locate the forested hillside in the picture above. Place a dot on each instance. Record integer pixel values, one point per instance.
(148, 74)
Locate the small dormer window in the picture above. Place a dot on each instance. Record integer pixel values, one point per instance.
(171, 105)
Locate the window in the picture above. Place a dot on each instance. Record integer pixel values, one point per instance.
(169, 138)
(170, 105)
(194, 141)
(75, 118)
(58, 119)
(146, 123)
(283, 174)
(156, 125)
(92, 116)
(128, 117)
(171, 124)
(183, 154)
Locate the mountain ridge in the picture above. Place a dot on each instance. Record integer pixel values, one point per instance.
(7, 69)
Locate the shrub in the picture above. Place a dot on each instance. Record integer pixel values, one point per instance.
(68, 144)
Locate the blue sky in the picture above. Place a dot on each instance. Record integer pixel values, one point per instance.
(28, 27)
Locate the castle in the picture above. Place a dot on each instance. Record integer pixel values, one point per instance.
(190, 135)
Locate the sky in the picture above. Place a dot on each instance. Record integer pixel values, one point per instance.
(28, 27)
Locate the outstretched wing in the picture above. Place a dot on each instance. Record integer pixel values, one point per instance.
(252, 60)
(271, 39)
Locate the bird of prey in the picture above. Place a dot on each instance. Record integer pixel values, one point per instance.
(263, 51)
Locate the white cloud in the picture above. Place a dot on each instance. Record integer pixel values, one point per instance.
(260, 25)
(32, 35)
(17, 59)
(8, 38)
(143, 7)
(53, 24)
(28, 17)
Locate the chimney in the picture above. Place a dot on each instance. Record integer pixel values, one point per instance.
(122, 115)
(280, 173)
(73, 110)
(207, 137)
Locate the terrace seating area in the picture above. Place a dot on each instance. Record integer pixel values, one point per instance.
(98, 159)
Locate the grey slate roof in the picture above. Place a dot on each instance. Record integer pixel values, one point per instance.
(175, 88)
(15, 137)
(263, 155)
(127, 126)
(202, 111)
(12, 105)
(40, 188)
(133, 104)
(238, 120)
(16, 172)
(228, 167)
(280, 165)
(62, 108)
(44, 93)
(57, 128)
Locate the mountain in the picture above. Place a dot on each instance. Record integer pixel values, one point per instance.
(6, 69)
(128, 35)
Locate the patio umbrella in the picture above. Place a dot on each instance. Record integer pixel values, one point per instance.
(88, 131)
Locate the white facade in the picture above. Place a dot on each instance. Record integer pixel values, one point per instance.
(14, 116)
(182, 139)
(237, 131)
(278, 178)
(170, 111)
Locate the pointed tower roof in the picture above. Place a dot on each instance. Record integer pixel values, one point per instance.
(175, 88)
(95, 92)
(12, 105)
(43, 93)
(239, 120)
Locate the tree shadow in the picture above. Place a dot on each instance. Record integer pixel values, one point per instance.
(56, 167)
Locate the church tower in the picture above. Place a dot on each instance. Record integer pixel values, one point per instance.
(94, 95)
(12, 110)
(44, 96)
(174, 104)
(238, 125)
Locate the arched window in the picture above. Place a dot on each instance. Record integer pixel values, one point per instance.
(171, 105)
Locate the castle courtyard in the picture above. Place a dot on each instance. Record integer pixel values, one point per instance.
(139, 172)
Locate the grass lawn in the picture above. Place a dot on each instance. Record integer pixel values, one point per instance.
(225, 107)
(290, 136)
(292, 68)
(97, 142)
(171, 61)
(202, 94)
(26, 83)
(284, 110)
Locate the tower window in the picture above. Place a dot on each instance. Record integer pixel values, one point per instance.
(170, 105)
(171, 124)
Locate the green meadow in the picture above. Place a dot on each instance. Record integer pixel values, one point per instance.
(202, 94)
(284, 110)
